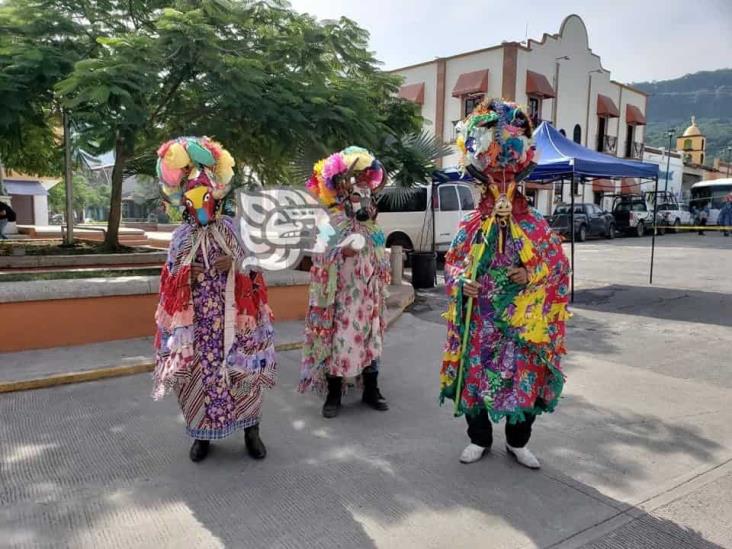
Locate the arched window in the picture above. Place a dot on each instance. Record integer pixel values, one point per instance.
(687, 145)
(577, 136)
(563, 132)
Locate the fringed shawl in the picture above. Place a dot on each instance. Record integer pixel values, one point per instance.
(245, 309)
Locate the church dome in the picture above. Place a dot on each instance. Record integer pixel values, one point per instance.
(693, 130)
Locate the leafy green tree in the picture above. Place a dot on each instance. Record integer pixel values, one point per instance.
(38, 47)
(84, 195)
(266, 81)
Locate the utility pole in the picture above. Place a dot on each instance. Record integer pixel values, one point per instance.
(670, 133)
(69, 237)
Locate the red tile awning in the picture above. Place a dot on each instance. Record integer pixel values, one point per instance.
(538, 85)
(471, 82)
(603, 186)
(606, 107)
(413, 92)
(634, 116)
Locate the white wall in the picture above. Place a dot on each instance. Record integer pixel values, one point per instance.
(40, 209)
(676, 172)
(426, 73)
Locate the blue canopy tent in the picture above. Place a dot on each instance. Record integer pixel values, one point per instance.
(560, 158)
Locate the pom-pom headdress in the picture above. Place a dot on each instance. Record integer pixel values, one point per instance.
(188, 162)
(495, 142)
(329, 175)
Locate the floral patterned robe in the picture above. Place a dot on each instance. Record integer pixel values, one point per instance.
(215, 340)
(345, 324)
(516, 333)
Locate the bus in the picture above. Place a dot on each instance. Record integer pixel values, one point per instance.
(710, 193)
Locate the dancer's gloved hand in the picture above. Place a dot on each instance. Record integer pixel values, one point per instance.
(518, 275)
(471, 288)
(223, 263)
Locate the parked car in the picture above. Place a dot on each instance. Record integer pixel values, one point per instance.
(589, 220)
(675, 215)
(406, 216)
(634, 216)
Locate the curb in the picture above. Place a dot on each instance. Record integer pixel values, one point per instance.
(69, 378)
(139, 368)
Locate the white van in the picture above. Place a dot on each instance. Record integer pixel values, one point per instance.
(407, 221)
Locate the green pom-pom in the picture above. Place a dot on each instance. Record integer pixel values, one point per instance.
(200, 154)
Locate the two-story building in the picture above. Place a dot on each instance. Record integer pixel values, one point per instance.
(559, 79)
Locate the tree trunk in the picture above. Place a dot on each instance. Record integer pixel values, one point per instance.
(2, 177)
(111, 241)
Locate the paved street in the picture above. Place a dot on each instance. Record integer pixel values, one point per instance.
(638, 454)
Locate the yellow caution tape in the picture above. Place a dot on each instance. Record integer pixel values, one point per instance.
(695, 228)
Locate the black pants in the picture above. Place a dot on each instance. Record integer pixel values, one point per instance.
(703, 223)
(480, 430)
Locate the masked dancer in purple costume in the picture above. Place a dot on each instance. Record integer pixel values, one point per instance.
(215, 342)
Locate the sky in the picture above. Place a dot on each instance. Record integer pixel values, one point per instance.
(638, 40)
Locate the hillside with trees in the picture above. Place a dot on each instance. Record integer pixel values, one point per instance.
(706, 95)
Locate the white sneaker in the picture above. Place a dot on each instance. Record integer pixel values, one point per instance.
(472, 453)
(524, 456)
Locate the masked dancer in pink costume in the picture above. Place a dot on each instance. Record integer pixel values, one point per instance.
(215, 342)
(507, 277)
(345, 325)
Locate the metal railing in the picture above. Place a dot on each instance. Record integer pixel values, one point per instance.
(609, 144)
(636, 151)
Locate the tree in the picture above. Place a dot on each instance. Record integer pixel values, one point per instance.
(84, 195)
(38, 48)
(261, 78)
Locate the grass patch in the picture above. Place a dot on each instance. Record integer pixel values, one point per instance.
(78, 274)
(46, 247)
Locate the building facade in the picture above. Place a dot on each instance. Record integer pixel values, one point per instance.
(28, 196)
(670, 172)
(559, 79)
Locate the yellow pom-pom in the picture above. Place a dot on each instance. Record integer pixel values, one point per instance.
(224, 174)
(176, 156)
(225, 160)
(358, 161)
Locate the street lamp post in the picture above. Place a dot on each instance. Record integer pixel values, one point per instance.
(670, 133)
(729, 154)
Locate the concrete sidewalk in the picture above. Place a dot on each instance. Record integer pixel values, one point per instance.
(42, 368)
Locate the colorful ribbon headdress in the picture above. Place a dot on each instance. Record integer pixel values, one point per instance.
(495, 142)
(329, 174)
(188, 162)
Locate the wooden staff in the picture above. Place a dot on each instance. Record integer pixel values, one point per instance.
(476, 253)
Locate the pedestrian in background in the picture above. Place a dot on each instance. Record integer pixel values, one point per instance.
(725, 215)
(7, 215)
(703, 218)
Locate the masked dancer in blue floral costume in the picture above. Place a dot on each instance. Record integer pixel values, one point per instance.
(507, 278)
(214, 341)
(344, 328)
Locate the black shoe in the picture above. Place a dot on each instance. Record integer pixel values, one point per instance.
(199, 450)
(255, 446)
(333, 401)
(371, 394)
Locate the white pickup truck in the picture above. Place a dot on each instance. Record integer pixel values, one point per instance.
(406, 216)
